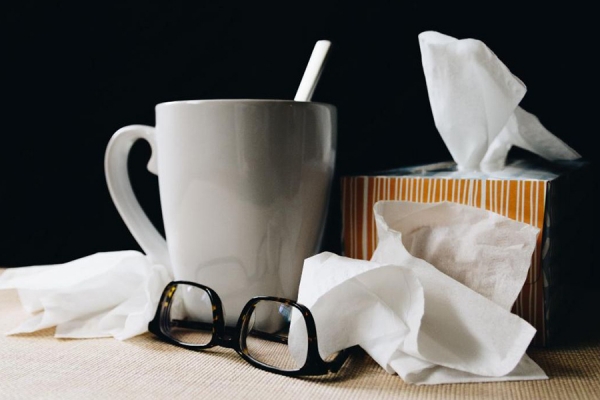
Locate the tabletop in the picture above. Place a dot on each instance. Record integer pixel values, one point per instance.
(39, 366)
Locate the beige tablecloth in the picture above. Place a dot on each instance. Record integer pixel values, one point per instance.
(38, 366)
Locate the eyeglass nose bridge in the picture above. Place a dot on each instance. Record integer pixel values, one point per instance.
(228, 337)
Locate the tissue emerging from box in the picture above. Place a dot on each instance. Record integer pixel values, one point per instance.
(475, 100)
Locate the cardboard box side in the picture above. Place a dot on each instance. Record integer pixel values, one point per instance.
(567, 262)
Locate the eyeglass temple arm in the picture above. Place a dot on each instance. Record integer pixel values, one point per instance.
(196, 325)
(272, 337)
(336, 364)
(207, 326)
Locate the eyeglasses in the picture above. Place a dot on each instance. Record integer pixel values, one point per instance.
(191, 315)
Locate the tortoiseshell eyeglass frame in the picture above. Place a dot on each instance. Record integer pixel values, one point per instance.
(235, 338)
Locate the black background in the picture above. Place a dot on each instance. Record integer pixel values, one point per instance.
(73, 73)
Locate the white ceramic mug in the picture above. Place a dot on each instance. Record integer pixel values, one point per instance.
(244, 188)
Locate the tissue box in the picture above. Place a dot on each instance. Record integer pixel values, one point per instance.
(555, 197)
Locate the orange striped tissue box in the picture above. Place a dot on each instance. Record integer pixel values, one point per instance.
(553, 197)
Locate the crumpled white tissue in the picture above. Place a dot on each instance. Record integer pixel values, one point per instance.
(110, 294)
(439, 316)
(475, 100)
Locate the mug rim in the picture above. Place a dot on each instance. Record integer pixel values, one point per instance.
(241, 100)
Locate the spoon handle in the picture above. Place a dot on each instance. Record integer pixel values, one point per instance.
(313, 71)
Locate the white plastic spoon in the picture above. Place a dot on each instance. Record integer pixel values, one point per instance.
(313, 71)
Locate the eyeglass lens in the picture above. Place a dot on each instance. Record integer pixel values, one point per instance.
(190, 315)
(268, 332)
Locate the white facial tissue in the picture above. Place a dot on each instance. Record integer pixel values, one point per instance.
(111, 294)
(426, 325)
(475, 100)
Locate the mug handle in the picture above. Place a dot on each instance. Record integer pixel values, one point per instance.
(119, 186)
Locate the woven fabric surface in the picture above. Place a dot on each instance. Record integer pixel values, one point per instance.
(39, 366)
